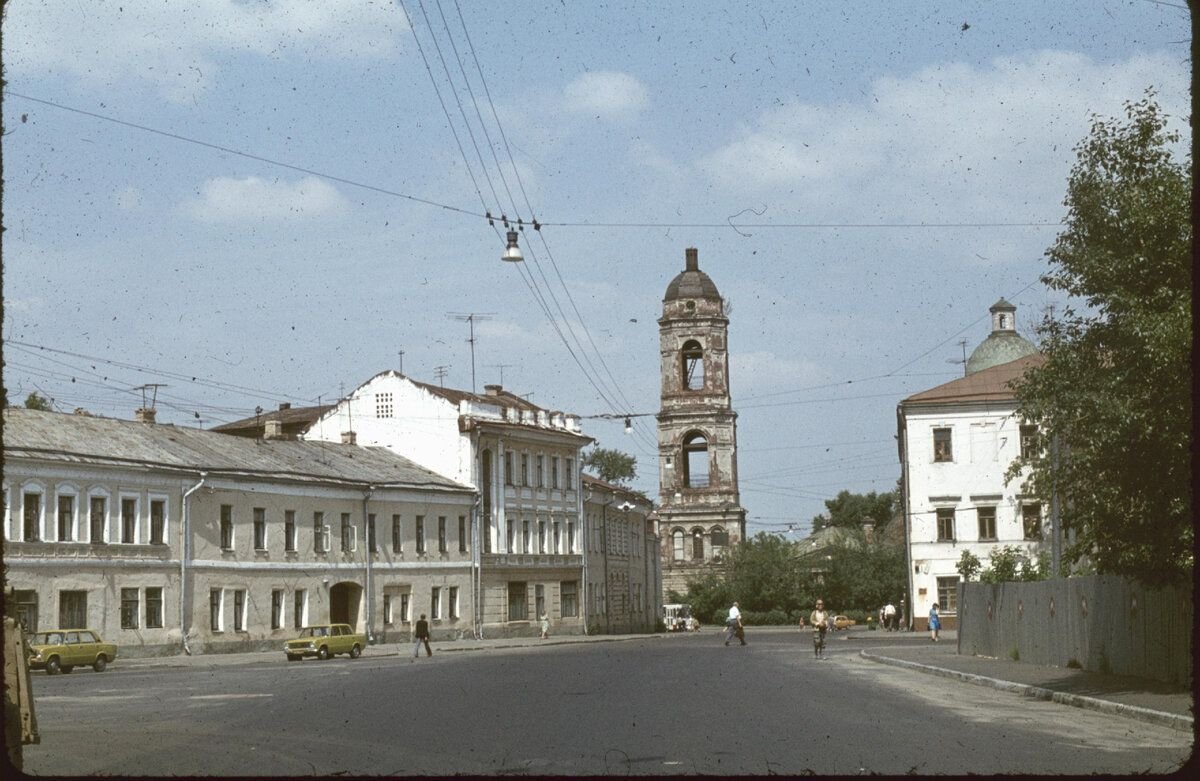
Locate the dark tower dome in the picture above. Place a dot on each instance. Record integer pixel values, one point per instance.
(691, 282)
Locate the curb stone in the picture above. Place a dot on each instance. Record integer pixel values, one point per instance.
(1174, 721)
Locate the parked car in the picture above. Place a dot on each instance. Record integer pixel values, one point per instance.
(841, 622)
(325, 641)
(61, 650)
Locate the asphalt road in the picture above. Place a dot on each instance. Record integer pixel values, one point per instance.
(664, 705)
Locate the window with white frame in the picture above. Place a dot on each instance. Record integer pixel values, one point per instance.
(154, 607)
(442, 545)
(216, 610)
(525, 469)
(348, 536)
(97, 519)
(1031, 442)
(260, 528)
(129, 520)
(508, 467)
(320, 533)
(31, 513)
(397, 534)
(943, 446)
(289, 532)
(158, 520)
(525, 539)
(66, 516)
(554, 471)
(569, 595)
(383, 405)
(277, 608)
(299, 608)
(945, 524)
(372, 542)
(570, 473)
(239, 610)
(557, 539)
(130, 608)
(452, 602)
(541, 470)
(541, 536)
(987, 522)
(420, 534)
(677, 545)
(405, 605)
(435, 603)
(227, 527)
(509, 536)
(1031, 520)
(947, 589)
(462, 534)
(570, 536)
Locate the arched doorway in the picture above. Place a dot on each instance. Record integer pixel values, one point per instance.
(345, 600)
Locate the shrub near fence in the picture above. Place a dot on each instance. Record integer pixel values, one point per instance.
(1101, 623)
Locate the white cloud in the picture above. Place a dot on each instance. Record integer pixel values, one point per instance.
(256, 200)
(176, 45)
(607, 94)
(950, 142)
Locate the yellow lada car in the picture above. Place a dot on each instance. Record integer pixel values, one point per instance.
(61, 650)
(325, 641)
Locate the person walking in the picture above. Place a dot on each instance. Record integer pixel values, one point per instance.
(421, 633)
(889, 616)
(819, 620)
(545, 626)
(935, 622)
(731, 623)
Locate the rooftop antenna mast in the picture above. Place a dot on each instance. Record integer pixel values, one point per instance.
(962, 343)
(501, 367)
(401, 362)
(470, 318)
(153, 388)
(440, 372)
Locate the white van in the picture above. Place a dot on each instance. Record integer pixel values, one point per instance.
(677, 617)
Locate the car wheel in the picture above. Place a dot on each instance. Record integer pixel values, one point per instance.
(323, 653)
(355, 652)
(100, 664)
(293, 657)
(52, 666)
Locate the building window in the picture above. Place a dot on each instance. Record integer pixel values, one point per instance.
(435, 603)
(692, 365)
(948, 593)
(442, 548)
(227, 527)
(299, 608)
(677, 550)
(348, 539)
(130, 607)
(987, 523)
(539, 601)
(154, 607)
(277, 608)
(554, 472)
(570, 536)
(525, 469)
(698, 544)
(239, 611)
(383, 405)
(320, 533)
(31, 508)
(526, 547)
(541, 536)
(462, 534)
(66, 518)
(452, 602)
(387, 609)
(215, 603)
(260, 528)
(1031, 519)
(508, 468)
(557, 538)
(371, 545)
(569, 593)
(99, 515)
(719, 539)
(420, 534)
(1031, 443)
(289, 532)
(541, 471)
(72, 609)
(943, 450)
(945, 524)
(397, 535)
(509, 536)
(158, 521)
(695, 460)
(404, 605)
(129, 515)
(26, 609)
(570, 473)
(518, 610)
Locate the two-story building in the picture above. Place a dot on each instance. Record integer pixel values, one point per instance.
(956, 442)
(166, 538)
(624, 576)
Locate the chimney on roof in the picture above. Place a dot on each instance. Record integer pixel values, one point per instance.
(144, 415)
(349, 438)
(273, 429)
(284, 405)
(492, 390)
(691, 258)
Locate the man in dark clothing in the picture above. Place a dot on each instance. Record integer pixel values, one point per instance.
(422, 635)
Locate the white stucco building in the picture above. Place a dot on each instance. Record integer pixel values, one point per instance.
(956, 442)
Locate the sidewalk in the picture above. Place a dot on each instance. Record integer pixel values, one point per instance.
(1137, 698)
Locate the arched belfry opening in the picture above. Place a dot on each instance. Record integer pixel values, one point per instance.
(691, 365)
(700, 508)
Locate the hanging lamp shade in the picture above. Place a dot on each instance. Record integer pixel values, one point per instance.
(512, 253)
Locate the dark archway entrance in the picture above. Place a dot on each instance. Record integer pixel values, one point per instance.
(344, 602)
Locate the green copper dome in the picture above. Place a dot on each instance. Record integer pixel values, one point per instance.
(1004, 344)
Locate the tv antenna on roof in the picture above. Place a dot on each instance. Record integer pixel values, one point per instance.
(470, 318)
(963, 344)
(440, 372)
(153, 388)
(501, 367)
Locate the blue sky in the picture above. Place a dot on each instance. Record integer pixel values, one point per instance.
(145, 258)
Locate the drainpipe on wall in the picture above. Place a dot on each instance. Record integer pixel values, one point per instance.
(184, 535)
(367, 544)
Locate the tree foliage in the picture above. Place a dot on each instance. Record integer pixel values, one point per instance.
(1114, 395)
(609, 465)
(849, 510)
(761, 574)
(861, 575)
(34, 401)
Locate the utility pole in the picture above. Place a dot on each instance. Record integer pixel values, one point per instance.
(470, 318)
(440, 372)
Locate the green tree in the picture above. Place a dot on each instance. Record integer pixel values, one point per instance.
(861, 575)
(1113, 399)
(1011, 564)
(761, 574)
(34, 401)
(612, 466)
(968, 565)
(850, 510)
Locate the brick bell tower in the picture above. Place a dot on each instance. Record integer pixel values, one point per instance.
(700, 512)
